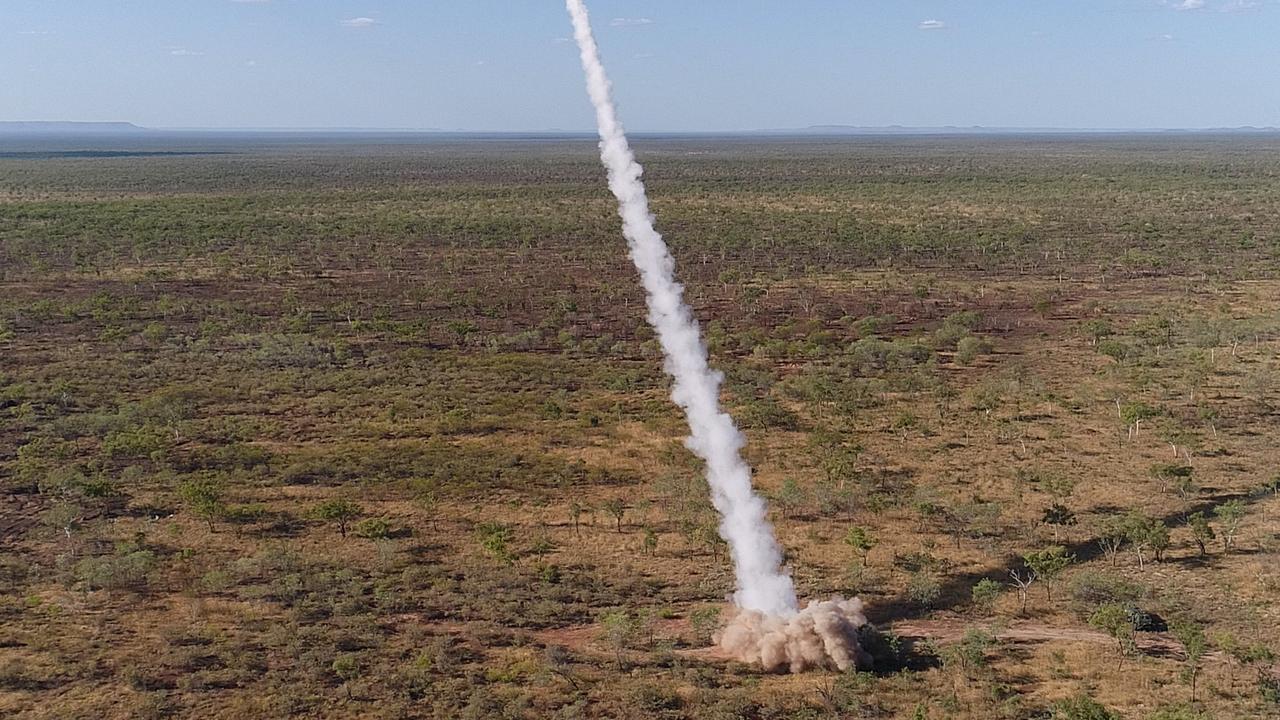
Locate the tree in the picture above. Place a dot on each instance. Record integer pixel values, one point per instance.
(790, 496)
(1047, 564)
(1023, 581)
(1194, 645)
(1059, 516)
(575, 515)
(619, 629)
(1272, 486)
(427, 500)
(1168, 472)
(64, 517)
(704, 622)
(985, 593)
(923, 588)
(347, 668)
(862, 541)
(1230, 514)
(338, 511)
(495, 539)
(617, 508)
(1201, 531)
(1146, 533)
(1115, 620)
(650, 541)
(840, 462)
(966, 657)
(1111, 539)
(204, 499)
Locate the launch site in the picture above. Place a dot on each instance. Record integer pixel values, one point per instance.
(360, 360)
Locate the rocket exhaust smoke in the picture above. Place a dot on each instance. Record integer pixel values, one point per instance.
(769, 626)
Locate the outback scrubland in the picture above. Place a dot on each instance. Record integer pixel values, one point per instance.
(343, 430)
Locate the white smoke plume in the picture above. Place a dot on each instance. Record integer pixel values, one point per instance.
(765, 597)
(762, 584)
(822, 635)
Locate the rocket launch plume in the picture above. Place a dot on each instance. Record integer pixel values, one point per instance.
(762, 583)
(765, 596)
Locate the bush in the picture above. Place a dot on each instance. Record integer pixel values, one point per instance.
(115, 572)
(373, 528)
(1081, 707)
(969, 348)
(985, 593)
(923, 588)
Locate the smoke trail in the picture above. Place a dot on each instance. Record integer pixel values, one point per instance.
(766, 626)
(762, 584)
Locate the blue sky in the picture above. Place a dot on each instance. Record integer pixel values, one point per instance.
(676, 64)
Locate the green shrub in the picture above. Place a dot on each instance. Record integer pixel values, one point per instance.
(373, 528)
(923, 588)
(114, 572)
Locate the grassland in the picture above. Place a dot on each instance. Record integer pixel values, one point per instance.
(354, 430)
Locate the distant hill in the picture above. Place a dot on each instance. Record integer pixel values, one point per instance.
(985, 130)
(57, 127)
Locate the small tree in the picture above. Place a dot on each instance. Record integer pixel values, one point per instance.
(1146, 534)
(1115, 620)
(967, 657)
(1047, 564)
(650, 541)
(1272, 486)
(985, 593)
(704, 622)
(347, 668)
(923, 588)
(1194, 645)
(1201, 531)
(861, 541)
(1023, 581)
(1230, 514)
(204, 499)
(1111, 539)
(619, 629)
(338, 511)
(575, 516)
(64, 517)
(427, 501)
(1059, 516)
(617, 508)
(495, 539)
(790, 497)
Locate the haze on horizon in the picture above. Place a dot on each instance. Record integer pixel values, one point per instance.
(494, 65)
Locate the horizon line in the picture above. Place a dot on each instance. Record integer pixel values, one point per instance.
(125, 127)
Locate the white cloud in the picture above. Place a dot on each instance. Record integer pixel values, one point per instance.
(360, 22)
(630, 22)
(1241, 6)
(1190, 5)
(931, 25)
(561, 40)
(251, 2)
(183, 52)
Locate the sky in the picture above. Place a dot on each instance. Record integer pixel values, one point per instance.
(677, 65)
